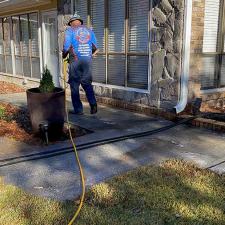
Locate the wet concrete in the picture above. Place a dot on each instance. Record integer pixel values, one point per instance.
(58, 177)
(107, 123)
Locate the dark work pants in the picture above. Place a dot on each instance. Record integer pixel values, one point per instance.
(80, 73)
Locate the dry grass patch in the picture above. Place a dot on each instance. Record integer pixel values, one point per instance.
(174, 193)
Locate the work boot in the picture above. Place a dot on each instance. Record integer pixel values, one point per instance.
(94, 109)
(76, 113)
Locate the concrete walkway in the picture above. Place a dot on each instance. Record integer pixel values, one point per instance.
(58, 177)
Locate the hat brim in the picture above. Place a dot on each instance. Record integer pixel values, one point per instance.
(71, 20)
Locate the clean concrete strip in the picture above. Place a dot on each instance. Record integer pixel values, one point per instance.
(58, 177)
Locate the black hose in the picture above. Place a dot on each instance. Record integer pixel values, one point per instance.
(56, 152)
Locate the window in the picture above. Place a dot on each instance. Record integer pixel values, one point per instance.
(24, 49)
(2, 51)
(213, 51)
(5, 46)
(122, 31)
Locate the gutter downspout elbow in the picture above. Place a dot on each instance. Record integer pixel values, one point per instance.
(183, 97)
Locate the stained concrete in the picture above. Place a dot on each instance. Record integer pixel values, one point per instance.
(107, 123)
(58, 177)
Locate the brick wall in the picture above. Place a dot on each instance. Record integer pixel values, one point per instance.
(213, 100)
(196, 48)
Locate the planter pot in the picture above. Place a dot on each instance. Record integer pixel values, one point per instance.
(47, 108)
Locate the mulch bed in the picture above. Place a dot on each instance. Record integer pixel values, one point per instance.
(15, 123)
(206, 108)
(9, 88)
(216, 113)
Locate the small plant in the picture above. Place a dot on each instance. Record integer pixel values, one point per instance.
(46, 84)
(2, 112)
(4, 115)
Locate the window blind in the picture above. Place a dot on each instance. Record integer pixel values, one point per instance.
(211, 25)
(98, 22)
(99, 69)
(116, 43)
(81, 8)
(2, 58)
(208, 72)
(222, 75)
(116, 70)
(7, 40)
(98, 25)
(116, 26)
(138, 25)
(138, 42)
(138, 72)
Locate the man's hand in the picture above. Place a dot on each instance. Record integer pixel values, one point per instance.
(95, 53)
(64, 54)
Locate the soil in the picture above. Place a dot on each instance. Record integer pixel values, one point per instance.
(9, 88)
(217, 114)
(206, 108)
(15, 123)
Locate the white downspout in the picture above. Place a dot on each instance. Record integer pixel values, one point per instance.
(186, 58)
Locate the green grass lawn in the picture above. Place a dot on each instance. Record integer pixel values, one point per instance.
(172, 193)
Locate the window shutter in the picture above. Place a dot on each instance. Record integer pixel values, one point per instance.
(211, 25)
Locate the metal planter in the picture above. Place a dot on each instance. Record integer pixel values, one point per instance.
(47, 108)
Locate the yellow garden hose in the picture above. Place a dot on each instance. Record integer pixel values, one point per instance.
(75, 151)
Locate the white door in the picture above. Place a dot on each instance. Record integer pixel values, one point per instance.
(50, 44)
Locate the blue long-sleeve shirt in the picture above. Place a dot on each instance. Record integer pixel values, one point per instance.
(79, 42)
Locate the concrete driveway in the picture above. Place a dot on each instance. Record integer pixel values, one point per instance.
(58, 177)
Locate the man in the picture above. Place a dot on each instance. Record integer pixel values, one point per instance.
(80, 44)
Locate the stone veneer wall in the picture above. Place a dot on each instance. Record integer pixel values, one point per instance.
(166, 50)
(166, 54)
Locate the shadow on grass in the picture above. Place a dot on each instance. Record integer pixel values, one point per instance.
(175, 193)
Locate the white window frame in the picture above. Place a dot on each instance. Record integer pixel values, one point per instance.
(12, 45)
(145, 91)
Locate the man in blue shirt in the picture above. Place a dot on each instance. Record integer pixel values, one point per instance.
(81, 45)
